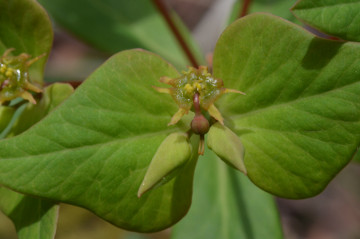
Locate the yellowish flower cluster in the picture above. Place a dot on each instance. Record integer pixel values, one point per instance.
(14, 77)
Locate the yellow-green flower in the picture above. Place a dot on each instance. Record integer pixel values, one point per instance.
(14, 77)
(191, 82)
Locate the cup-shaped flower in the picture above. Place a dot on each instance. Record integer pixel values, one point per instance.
(191, 82)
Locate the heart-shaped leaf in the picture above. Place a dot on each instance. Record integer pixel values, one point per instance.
(25, 26)
(338, 18)
(94, 149)
(227, 205)
(300, 118)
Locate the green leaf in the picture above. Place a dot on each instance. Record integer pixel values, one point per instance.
(339, 18)
(94, 149)
(300, 119)
(33, 218)
(6, 114)
(113, 26)
(25, 26)
(53, 95)
(357, 157)
(227, 205)
(279, 8)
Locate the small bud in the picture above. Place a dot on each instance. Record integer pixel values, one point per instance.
(227, 145)
(172, 154)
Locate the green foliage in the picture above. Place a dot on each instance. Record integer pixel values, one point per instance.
(113, 26)
(97, 151)
(25, 26)
(6, 114)
(339, 18)
(357, 157)
(33, 218)
(300, 120)
(279, 8)
(31, 34)
(227, 205)
(53, 95)
(41, 215)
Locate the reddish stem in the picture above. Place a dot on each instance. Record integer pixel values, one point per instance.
(244, 8)
(165, 13)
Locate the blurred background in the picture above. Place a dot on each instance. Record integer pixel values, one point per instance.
(333, 214)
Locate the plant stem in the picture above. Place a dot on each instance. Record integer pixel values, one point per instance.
(165, 13)
(245, 8)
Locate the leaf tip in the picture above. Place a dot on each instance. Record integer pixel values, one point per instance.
(141, 190)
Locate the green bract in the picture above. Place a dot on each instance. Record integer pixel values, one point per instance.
(227, 145)
(172, 154)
